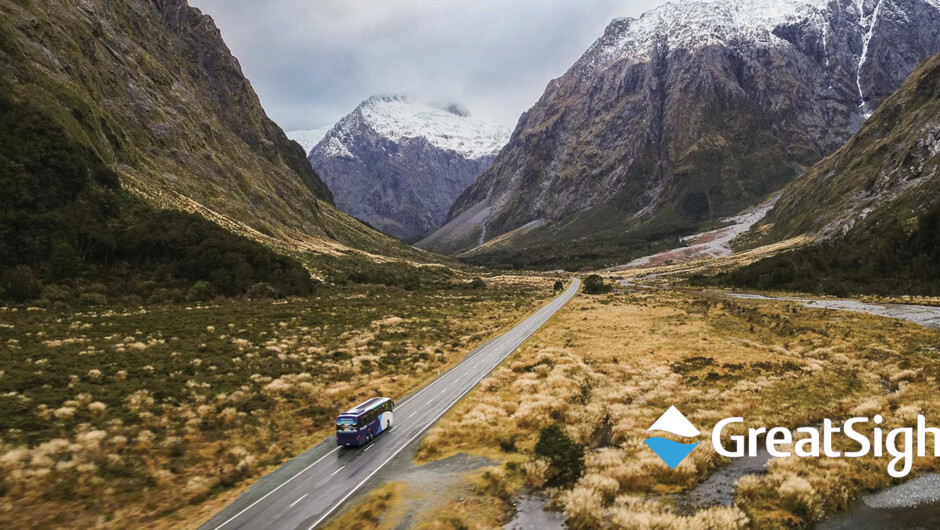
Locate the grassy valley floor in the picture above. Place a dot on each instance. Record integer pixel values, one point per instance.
(157, 416)
(606, 367)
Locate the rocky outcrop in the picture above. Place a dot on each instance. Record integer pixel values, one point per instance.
(690, 113)
(398, 164)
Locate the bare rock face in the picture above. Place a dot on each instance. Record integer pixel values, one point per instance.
(690, 113)
(398, 164)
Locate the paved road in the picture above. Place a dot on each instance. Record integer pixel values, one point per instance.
(310, 488)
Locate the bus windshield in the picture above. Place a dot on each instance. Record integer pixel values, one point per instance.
(346, 425)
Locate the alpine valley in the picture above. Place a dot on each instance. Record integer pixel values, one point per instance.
(193, 302)
(687, 114)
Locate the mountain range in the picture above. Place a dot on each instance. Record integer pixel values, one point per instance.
(670, 121)
(398, 163)
(150, 87)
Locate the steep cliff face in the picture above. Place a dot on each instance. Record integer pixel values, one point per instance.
(889, 170)
(684, 115)
(153, 89)
(398, 164)
(874, 206)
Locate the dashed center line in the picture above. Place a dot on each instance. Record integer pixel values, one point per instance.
(490, 356)
(298, 500)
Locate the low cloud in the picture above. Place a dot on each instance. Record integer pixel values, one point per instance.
(312, 62)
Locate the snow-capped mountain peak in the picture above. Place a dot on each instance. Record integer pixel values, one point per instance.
(398, 163)
(628, 126)
(694, 24)
(448, 127)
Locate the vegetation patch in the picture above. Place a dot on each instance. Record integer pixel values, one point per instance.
(189, 402)
(894, 258)
(772, 363)
(70, 235)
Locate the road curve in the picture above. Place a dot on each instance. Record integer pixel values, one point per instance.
(307, 490)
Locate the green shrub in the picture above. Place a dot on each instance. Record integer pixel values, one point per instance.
(594, 284)
(558, 286)
(199, 292)
(565, 456)
(477, 283)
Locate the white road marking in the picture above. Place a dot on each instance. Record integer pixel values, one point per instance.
(367, 448)
(413, 413)
(429, 401)
(298, 500)
(250, 506)
(471, 356)
(419, 433)
(337, 471)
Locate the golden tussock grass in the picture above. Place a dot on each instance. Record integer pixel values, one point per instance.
(607, 367)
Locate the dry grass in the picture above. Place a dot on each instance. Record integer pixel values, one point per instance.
(380, 509)
(710, 266)
(190, 404)
(607, 367)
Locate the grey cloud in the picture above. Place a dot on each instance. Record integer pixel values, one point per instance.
(311, 62)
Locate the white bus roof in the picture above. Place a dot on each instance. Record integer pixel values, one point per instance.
(365, 406)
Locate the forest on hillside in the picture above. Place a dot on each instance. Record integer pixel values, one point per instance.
(69, 234)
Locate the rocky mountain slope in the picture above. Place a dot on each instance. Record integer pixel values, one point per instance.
(398, 164)
(689, 113)
(152, 89)
(891, 168)
(875, 203)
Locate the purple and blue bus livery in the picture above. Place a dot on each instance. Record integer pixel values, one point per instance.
(357, 426)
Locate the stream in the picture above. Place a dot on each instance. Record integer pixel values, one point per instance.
(924, 315)
(912, 505)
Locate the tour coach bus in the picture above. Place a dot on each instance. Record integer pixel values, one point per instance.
(357, 426)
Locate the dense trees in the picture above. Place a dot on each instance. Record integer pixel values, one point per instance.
(69, 233)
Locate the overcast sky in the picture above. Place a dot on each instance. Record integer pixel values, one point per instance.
(313, 61)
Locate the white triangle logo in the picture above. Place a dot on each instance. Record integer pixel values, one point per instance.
(674, 422)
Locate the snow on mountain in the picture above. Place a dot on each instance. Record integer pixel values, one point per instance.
(690, 112)
(447, 127)
(309, 138)
(694, 24)
(399, 163)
